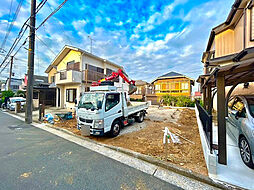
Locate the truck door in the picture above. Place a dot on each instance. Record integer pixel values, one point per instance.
(113, 110)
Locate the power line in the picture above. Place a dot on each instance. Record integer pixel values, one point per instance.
(62, 28)
(59, 7)
(12, 22)
(15, 54)
(21, 33)
(45, 45)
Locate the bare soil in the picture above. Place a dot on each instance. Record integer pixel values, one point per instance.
(149, 138)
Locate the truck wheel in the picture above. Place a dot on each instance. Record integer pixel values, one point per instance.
(140, 118)
(115, 128)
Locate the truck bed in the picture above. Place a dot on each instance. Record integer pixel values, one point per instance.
(135, 107)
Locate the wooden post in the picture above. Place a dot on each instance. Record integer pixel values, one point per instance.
(209, 99)
(222, 143)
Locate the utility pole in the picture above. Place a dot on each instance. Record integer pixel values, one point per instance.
(91, 43)
(9, 83)
(30, 71)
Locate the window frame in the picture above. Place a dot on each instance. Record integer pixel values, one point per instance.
(74, 90)
(107, 99)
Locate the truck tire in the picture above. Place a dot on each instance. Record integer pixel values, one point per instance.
(115, 128)
(140, 118)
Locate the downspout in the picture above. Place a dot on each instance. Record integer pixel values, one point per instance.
(244, 29)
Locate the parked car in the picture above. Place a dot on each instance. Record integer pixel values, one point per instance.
(11, 104)
(241, 118)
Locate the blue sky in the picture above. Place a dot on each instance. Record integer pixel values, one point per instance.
(147, 37)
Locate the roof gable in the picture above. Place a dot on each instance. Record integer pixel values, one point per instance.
(171, 74)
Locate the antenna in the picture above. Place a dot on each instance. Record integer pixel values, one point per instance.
(91, 43)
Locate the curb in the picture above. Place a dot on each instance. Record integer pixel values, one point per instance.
(154, 161)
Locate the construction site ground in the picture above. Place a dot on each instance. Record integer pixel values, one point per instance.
(147, 137)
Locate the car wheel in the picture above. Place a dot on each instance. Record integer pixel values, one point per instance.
(115, 129)
(141, 117)
(245, 152)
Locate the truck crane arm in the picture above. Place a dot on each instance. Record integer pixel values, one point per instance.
(115, 75)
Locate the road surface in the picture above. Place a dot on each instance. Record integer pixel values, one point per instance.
(31, 158)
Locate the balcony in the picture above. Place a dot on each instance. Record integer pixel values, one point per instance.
(70, 76)
(91, 76)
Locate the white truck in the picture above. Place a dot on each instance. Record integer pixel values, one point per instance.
(105, 110)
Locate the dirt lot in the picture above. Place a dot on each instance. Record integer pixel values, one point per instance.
(147, 137)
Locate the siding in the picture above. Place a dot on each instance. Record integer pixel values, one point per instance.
(224, 43)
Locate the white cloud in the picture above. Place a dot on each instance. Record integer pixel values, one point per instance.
(79, 24)
(119, 23)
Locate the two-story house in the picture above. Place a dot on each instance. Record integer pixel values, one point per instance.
(232, 42)
(174, 84)
(228, 63)
(72, 72)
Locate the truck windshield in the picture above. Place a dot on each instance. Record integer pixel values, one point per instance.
(91, 101)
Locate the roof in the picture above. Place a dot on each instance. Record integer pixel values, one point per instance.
(172, 75)
(231, 19)
(140, 82)
(67, 48)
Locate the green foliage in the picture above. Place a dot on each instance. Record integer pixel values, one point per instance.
(20, 93)
(179, 101)
(7, 93)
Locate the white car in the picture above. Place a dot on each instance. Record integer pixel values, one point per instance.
(11, 104)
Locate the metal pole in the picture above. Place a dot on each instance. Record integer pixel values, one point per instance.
(9, 84)
(30, 72)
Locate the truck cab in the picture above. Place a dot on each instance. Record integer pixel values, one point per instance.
(105, 110)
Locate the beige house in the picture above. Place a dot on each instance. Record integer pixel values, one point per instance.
(232, 43)
(72, 72)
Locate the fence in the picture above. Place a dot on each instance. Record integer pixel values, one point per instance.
(206, 121)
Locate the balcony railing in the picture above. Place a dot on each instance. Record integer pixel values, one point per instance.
(70, 76)
(92, 76)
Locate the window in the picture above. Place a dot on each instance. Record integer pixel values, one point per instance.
(72, 65)
(251, 24)
(63, 75)
(52, 79)
(108, 71)
(185, 85)
(94, 68)
(15, 87)
(71, 95)
(111, 101)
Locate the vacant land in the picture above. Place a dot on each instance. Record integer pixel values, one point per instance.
(147, 137)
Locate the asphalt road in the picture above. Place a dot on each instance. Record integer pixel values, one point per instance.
(31, 158)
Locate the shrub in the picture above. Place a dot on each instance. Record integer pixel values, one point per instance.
(7, 93)
(179, 101)
(20, 93)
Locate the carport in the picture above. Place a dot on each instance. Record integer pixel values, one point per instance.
(214, 84)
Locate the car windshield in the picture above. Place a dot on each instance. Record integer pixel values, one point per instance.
(250, 101)
(17, 100)
(91, 101)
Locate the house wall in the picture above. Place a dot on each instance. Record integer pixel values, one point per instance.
(51, 73)
(176, 90)
(72, 55)
(224, 43)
